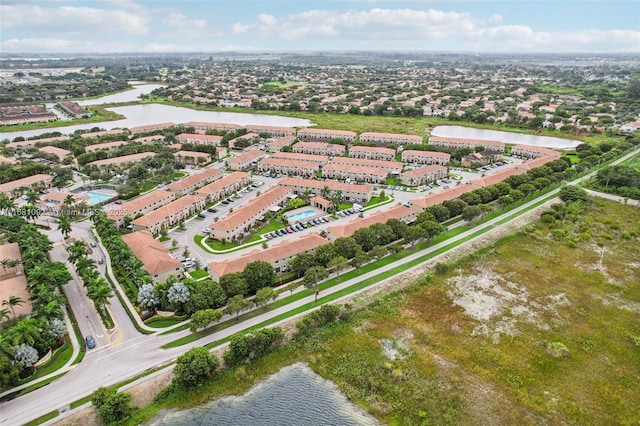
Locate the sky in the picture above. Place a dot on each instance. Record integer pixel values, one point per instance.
(472, 26)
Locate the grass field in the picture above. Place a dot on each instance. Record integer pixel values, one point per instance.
(538, 328)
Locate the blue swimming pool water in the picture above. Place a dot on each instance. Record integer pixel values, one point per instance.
(302, 215)
(95, 198)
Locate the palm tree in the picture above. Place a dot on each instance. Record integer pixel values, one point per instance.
(26, 331)
(85, 263)
(37, 275)
(32, 197)
(77, 250)
(12, 303)
(324, 192)
(64, 225)
(101, 294)
(51, 310)
(68, 200)
(4, 313)
(6, 203)
(6, 346)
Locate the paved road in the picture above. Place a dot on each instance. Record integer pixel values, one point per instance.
(111, 364)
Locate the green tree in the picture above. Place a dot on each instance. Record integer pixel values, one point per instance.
(338, 264)
(415, 233)
(302, 262)
(259, 274)
(263, 296)
(237, 304)
(471, 212)
(359, 259)
(194, 368)
(378, 252)
(64, 225)
(234, 284)
(32, 197)
(313, 276)
(204, 317)
(12, 302)
(291, 287)
(569, 193)
(113, 407)
(347, 246)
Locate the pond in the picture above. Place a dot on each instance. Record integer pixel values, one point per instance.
(506, 137)
(294, 396)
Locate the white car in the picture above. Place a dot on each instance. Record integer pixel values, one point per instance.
(206, 230)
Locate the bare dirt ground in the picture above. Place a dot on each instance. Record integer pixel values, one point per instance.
(144, 392)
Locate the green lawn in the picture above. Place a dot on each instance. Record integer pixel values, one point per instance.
(162, 322)
(148, 186)
(58, 359)
(199, 273)
(163, 239)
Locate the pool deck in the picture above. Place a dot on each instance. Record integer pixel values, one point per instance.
(318, 213)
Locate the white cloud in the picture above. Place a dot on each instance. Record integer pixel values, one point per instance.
(69, 20)
(63, 46)
(185, 26)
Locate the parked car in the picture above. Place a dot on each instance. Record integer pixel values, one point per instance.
(100, 261)
(92, 243)
(212, 210)
(206, 230)
(326, 219)
(202, 215)
(91, 343)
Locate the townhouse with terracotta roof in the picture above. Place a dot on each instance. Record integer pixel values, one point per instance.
(13, 281)
(252, 138)
(237, 223)
(321, 203)
(58, 152)
(457, 143)
(529, 151)
(372, 153)
(325, 135)
(151, 127)
(348, 192)
(425, 157)
(7, 160)
(400, 212)
(224, 187)
(221, 151)
(105, 133)
(200, 139)
(536, 162)
(191, 183)
(274, 131)
(278, 144)
(107, 146)
(140, 205)
(321, 159)
(355, 173)
(16, 187)
(119, 161)
(170, 214)
(32, 142)
(488, 180)
(440, 197)
(390, 138)
(320, 148)
(392, 167)
(422, 175)
(289, 167)
(203, 126)
(149, 139)
(277, 255)
(191, 157)
(246, 160)
(154, 256)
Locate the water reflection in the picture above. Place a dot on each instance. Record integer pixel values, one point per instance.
(294, 396)
(506, 137)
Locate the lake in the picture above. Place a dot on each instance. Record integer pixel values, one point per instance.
(506, 137)
(128, 96)
(142, 115)
(294, 396)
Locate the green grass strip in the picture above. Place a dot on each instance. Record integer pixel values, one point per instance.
(40, 384)
(43, 419)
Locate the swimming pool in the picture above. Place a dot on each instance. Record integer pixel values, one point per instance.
(96, 198)
(302, 215)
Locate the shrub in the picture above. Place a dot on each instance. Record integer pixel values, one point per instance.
(325, 315)
(195, 367)
(246, 348)
(113, 407)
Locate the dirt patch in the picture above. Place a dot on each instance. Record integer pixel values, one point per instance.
(85, 417)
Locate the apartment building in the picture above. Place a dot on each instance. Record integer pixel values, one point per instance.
(170, 214)
(202, 126)
(192, 157)
(7, 160)
(437, 198)
(355, 173)
(151, 127)
(221, 152)
(398, 211)
(423, 175)
(536, 162)
(425, 157)
(107, 146)
(246, 160)
(324, 135)
(280, 143)
(237, 224)
(17, 187)
(372, 153)
(105, 133)
(13, 281)
(149, 139)
(252, 138)
(141, 205)
(289, 167)
(58, 152)
(390, 138)
(225, 186)
(193, 182)
(488, 180)
(319, 148)
(274, 131)
(277, 255)
(457, 143)
(32, 142)
(529, 151)
(154, 256)
(320, 159)
(392, 167)
(326, 188)
(200, 139)
(119, 161)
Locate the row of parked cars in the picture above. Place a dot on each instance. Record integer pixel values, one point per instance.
(295, 228)
(349, 212)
